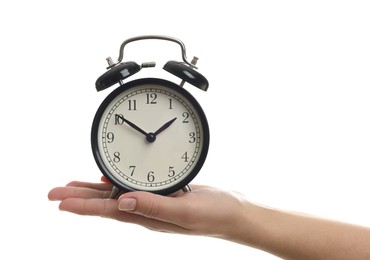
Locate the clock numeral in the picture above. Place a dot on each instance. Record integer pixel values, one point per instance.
(185, 157)
(116, 157)
(132, 168)
(171, 171)
(151, 98)
(192, 137)
(170, 103)
(110, 137)
(150, 177)
(118, 119)
(185, 115)
(132, 104)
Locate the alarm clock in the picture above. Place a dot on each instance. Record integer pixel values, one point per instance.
(150, 134)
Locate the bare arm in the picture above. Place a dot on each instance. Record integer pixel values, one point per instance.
(293, 235)
(227, 215)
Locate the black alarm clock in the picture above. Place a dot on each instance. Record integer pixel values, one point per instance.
(150, 134)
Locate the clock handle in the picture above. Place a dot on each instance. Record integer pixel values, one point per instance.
(154, 37)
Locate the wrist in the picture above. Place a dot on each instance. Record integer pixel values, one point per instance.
(247, 225)
(255, 226)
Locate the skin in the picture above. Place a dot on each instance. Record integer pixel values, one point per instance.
(208, 211)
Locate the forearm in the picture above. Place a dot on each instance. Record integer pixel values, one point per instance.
(296, 236)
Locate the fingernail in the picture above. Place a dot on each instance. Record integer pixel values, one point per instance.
(127, 204)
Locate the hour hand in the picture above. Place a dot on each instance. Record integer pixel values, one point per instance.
(132, 125)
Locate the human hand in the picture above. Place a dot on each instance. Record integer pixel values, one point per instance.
(212, 212)
(204, 211)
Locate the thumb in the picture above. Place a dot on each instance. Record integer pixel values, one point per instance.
(149, 205)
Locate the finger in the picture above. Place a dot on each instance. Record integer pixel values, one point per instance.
(172, 210)
(97, 186)
(104, 179)
(91, 206)
(62, 193)
(108, 208)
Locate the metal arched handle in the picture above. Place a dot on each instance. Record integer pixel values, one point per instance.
(155, 37)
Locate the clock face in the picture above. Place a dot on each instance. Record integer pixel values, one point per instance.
(151, 135)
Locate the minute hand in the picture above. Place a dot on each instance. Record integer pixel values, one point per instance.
(133, 125)
(163, 127)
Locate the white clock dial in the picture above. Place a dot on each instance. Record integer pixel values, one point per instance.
(151, 135)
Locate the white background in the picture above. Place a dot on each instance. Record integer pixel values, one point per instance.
(288, 108)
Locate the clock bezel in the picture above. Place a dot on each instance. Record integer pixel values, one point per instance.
(173, 87)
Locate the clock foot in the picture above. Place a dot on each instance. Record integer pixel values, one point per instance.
(115, 193)
(186, 189)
